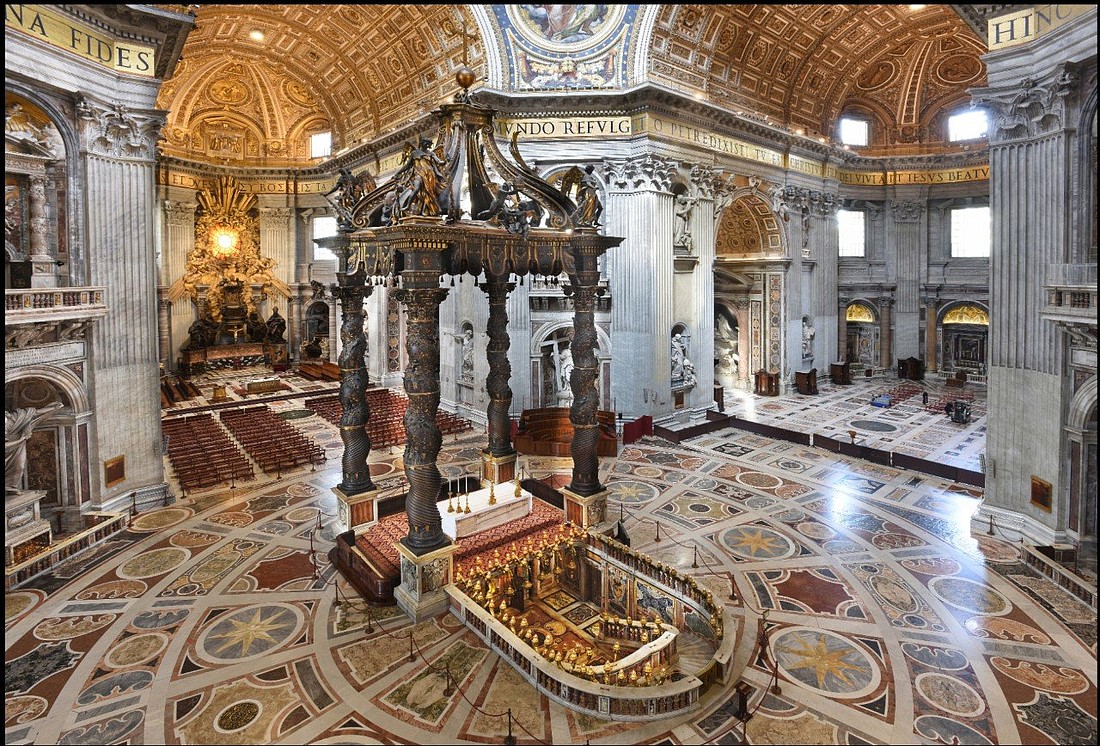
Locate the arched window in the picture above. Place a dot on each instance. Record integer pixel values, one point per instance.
(967, 124)
(854, 130)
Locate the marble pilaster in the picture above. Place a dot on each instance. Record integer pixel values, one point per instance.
(908, 238)
(640, 204)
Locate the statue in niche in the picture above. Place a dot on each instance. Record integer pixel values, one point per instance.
(421, 179)
(312, 349)
(589, 207)
(808, 333)
(682, 233)
(257, 329)
(467, 372)
(276, 328)
(689, 373)
(19, 425)
(727, 361)
(565, 370)
(677, 351)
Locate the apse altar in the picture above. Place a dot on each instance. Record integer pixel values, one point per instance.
(483, 509)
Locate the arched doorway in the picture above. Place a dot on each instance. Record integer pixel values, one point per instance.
(552, 362)
(1081, 427)
(965, 335)
(57, 452)
(862, 346)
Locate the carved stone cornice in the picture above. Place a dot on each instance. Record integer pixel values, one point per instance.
(907, 212)
(180, 214)
(1030, 109)
(647, 171)
(118, 132)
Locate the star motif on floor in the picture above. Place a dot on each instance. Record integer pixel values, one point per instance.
(756, 542)
(823, 661)
(244, 633)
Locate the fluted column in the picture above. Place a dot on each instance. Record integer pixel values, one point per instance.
(164, 327)
(353, 385)
(119, 193)
(422, 295)
(43, 270)
(178, 233)
(294, 321)
(582, 381)
(500, 369)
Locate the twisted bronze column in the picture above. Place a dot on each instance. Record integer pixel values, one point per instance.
(422, 296)
(500, 369)
(582, 381)
(353, 386)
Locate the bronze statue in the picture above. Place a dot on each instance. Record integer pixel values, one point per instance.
(202, 333)
(422, 177)
(276, 327)
(257, 329)
(588, 202)
(349, 189)
(514, 215)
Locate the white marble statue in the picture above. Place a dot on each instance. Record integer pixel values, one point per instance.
(680, 360)
(681, 235)
(467, 354)
(565, 369)
(19, 424)
(808, 333)
(727, 361)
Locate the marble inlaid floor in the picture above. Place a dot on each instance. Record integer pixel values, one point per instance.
(209, 622)
(233, 381)
(908, 427)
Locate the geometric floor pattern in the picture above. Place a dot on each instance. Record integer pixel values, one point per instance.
(908, 427)
(205, 622)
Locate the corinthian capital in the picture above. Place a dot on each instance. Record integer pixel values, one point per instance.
(181, 214)
(705, 180)
(907, 212)
(1030, 109)
(117, 131)
(647, 171)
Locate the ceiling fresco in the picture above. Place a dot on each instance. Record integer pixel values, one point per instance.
(802, 65)
(256, 80)
(266, 76)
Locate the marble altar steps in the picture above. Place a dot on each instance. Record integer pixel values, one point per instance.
(387, 411)
(172, 394)
(693, 653)
(324, 371)
(382, 569)
(275, 445)
(202, 454)
(549, 432)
